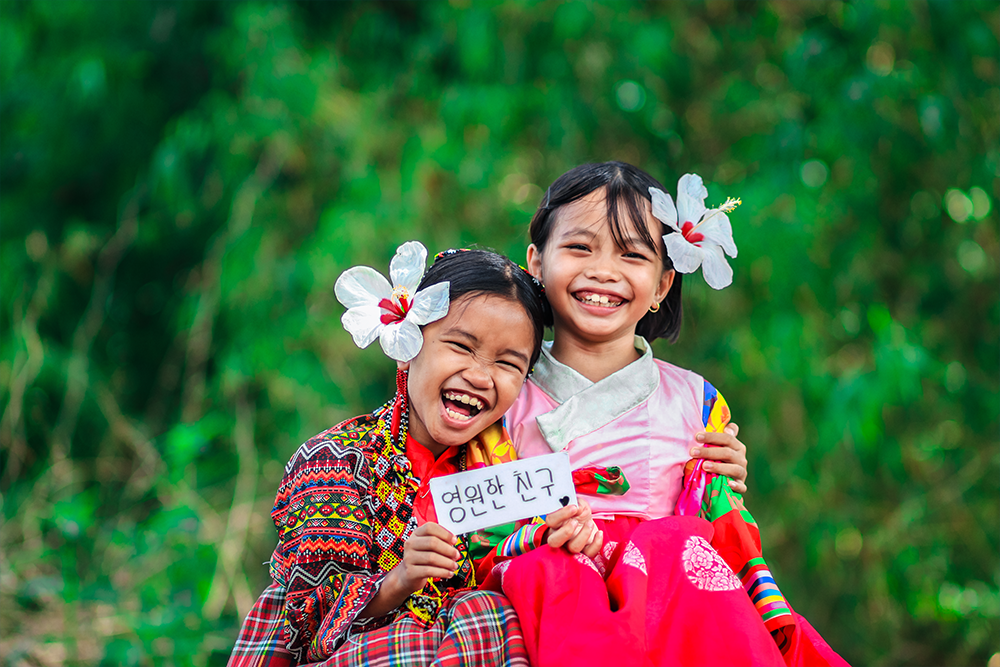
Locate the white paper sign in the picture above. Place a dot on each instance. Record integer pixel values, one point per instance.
(498, 494)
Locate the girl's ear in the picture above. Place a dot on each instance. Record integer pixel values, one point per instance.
(666, 282)
(403, 365)
(534, 260)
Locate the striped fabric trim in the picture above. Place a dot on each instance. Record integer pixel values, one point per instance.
(764, 593)
(522, 540)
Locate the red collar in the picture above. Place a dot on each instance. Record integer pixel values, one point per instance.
(425, 468)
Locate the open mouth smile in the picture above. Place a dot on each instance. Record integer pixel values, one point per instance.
(599, 300)
(462, 406)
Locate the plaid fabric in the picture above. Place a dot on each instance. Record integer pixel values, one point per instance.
(259, 643)
(475, 629)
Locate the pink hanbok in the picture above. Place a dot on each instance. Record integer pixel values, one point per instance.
(667, 589)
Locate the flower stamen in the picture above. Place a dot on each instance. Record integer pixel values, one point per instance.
(729, 206)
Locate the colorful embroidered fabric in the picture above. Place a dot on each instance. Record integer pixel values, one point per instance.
(594, 480)
(491, 546)
(490, 447)
(736, 538)
(343, 512)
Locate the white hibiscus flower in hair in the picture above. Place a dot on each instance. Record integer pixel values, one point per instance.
(392, 313)
(702, 235)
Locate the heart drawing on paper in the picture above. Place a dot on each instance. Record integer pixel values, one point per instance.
(564, 501)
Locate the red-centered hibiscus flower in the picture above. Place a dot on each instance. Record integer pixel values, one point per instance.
(701, 235)
(392, 313)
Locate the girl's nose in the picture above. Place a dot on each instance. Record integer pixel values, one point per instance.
(478, 375)
(602, 269)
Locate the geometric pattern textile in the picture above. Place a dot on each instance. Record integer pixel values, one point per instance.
(343, 512)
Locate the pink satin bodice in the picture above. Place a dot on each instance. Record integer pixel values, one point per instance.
(649, 441)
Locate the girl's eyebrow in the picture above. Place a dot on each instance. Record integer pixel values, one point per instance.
(579, 231)
(475, 341)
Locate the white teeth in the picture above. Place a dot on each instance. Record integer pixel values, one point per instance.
(599, 299)
(464, 398)
(457, 415)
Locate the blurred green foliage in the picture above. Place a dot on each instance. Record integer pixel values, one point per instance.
(183, 182)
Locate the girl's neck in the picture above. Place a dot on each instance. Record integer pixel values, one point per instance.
(595, 361)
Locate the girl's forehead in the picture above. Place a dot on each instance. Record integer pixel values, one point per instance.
(492, 321)
(470, 309)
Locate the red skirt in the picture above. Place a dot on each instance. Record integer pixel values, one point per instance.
(659, 594)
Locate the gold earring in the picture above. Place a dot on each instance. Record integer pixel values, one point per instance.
(655, 308)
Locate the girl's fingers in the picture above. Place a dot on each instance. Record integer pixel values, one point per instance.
(720, 440)
(723, 454)
(581, 539)
(563, 534)
(738, 486)
(431, 559)
(426, 572)
(432, 544)
(594, 546)
(555, 520)
(731, 470)
(435, 530)
(732, 428)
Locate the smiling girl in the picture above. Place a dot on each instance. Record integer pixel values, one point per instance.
(362, 573)
(664, 586)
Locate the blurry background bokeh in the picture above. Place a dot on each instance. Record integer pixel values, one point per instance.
(182, 182)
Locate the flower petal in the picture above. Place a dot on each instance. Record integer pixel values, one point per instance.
(401, 340)
(691, 195)
(407, 266)
(430, 304)
(715, 268)
(364, 323)
(685, 256)
(663, 208)
(361, 286)
(718, 230)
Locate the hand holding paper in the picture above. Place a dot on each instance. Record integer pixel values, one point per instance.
(429, 553)
(574, 528)
(498, 494)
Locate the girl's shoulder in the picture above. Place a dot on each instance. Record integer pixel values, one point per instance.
(349, 439)
(337, 457)
(678, 376)
(699, 390)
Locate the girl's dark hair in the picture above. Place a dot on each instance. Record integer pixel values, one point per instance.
(482, 272)
(624, 185)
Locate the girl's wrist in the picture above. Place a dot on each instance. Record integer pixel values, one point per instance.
(396, 583)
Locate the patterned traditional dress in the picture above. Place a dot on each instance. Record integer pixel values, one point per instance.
(350, 498)
(666, 590)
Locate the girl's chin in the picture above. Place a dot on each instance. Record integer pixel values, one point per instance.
(455, 432)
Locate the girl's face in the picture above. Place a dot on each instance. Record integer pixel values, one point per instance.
(469, 370)
(598, 291)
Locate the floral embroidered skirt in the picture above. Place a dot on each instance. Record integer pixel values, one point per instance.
(658, 594)
(475, 628)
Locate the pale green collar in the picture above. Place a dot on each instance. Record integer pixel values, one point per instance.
(586, 406)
